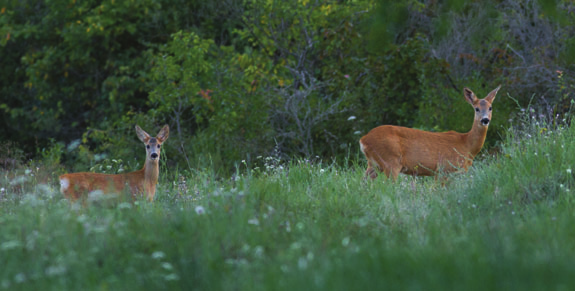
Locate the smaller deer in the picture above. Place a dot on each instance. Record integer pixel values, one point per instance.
(395, 149)
(142, 182)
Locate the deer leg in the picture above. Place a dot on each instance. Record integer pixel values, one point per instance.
(371, 172)
(372, 167)
(392, 171)
(376, 163)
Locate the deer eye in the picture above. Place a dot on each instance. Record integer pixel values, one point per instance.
(147, 146)
(489, 108)
(476, 109)
(158, 146)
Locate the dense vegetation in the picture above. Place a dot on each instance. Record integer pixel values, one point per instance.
(240, 79)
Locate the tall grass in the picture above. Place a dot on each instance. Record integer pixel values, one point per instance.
(505, 224)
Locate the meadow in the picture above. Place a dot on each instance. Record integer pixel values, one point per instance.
(307, 225)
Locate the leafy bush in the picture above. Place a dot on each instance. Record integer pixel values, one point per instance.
(240, 79)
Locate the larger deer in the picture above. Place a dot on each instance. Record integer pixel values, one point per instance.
(142, 182)
(395, 149)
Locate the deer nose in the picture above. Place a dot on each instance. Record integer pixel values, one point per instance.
(485, 121)
(154, 156)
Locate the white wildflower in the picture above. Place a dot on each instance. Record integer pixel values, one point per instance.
(20, 278)
(167, 266)
(55, 270)
(302, 263)
(345, 241)
(259, 251)
(172, 277)
(124, 205)
(158, 255)
(200, 210)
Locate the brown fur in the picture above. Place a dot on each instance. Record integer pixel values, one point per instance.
(395, 149)
(142, 182)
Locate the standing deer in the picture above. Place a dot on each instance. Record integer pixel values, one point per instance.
(395, 149)
(142, 182)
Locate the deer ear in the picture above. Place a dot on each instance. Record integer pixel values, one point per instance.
(142, 135)
(469, 96)
(164, 133)
(491, 96)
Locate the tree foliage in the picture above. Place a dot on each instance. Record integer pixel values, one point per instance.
(239, 79)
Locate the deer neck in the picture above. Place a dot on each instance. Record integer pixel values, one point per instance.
(476, 138)
(151, 172)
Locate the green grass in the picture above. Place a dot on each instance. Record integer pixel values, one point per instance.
(505, 224)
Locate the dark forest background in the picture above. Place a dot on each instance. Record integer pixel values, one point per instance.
(242, 80)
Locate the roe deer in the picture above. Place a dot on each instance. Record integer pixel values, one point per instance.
(395, 149)
(142, 182)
